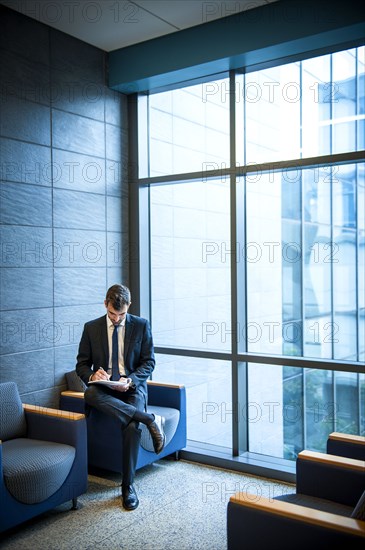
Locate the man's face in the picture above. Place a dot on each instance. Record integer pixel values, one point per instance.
(116, 316)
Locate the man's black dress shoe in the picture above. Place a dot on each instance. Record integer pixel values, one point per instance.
(129, 496)
(156, 429)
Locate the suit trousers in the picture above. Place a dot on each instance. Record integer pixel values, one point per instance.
(122, 406)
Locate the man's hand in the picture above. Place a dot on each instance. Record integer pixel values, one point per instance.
(127, 382)
(100, 374)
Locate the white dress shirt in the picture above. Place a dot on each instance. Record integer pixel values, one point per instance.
(121, 332)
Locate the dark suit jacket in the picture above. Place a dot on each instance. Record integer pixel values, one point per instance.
(139, 359)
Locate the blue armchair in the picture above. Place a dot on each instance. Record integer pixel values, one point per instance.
(328, 508)
(104, 436)
(43, 458)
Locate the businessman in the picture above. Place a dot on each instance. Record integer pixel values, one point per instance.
(119, 347)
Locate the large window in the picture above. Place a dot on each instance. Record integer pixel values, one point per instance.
(257, 247)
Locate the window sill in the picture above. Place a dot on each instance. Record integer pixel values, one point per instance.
(249, 463)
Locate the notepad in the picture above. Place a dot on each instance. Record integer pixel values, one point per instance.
(112, 383)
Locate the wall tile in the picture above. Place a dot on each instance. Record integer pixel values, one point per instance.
(25, 205)
(79, 285)
(116, 108)
(23, 78)
(21, 247)
(120, 256)
(117, 276)
(24, 288)
(116, 172)
(79, 210)
(117, 249)
(24, 36)
(82, 97)
(78, 248)
(49, 397)
(117, 177)
(114, 136)
(116, 214)
(25, 121)
(77, 59)
(24, 333)
(65, 361)
(70, 321)
(125, 203)
(25, 162)
(78, 134)
(31, 371)
(121, 251)
(78, 172)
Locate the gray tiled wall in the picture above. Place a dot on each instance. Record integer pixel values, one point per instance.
(64, 200)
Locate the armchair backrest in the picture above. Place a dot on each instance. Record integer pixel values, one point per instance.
(12, 416)
(344, 444)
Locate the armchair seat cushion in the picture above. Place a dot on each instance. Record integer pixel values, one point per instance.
(172, 417)
(317, 504)
(34, 470)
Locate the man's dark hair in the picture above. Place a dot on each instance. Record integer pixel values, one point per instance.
(118, 296)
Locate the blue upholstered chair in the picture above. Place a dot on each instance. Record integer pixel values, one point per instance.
(43, 458)
(104, 435)
(327, 509)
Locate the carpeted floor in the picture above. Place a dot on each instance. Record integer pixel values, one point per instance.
(182, 506)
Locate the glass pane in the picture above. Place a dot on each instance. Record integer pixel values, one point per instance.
(320, 408)
(361, 260)
(316, 109)
(263, 254)
(361, 299)
(190, 265)
(293, 417)
(189, 129)
(291, 205)
(208, 395)
(344, 299)
(318, 291)
(347, 401)
(290, 409)
(305, 109)
(361, 98)
(265, 410)
(304, 303)
(344, 101)
(240, 121)
(272, 103)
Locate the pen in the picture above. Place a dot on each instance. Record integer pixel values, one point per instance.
(104, 371)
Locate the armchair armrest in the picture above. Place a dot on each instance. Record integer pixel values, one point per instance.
(55, 425)
(331, 477)
(289, 523)
(166, 395)
(58, 413)
(72, 401)
(71, 393)
(352, 446)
